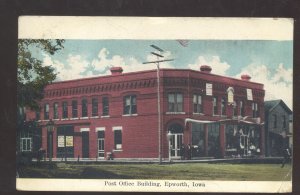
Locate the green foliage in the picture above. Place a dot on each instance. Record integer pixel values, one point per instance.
(32, 76)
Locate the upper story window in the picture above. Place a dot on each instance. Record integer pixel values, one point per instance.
(105, 106)
(46, 111)
(283, 121)
(175, 102)
(223, 106)
(95, 107)
(130, 104)
(254, 110)
(242, 108)
(197, 103)
(37, 115)
(74, 109)
(234, 108)
(274, 120)
(215, 105)
(64, 110)
(84, 108)
(55, 111)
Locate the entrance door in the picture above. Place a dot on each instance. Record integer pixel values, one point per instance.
(85, 144)
(175, 145)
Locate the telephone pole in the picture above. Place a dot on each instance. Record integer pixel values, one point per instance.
(158, 93)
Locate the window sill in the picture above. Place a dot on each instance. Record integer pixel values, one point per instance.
(82, 118)
(175, 112)
(196, 113)
(74, 118)
(94, 117)
(130, 115)
(105, 116)
(118, 150)
(56, 119)
(64, 119)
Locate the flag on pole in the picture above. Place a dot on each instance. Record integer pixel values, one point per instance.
(184, 43)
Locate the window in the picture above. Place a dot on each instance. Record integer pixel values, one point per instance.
(65, 110)
(84, 109)
(101, 136)
(118, 138)
(105, 106)
(242, 109)
(95, 107)
(197, 103)
(74, 109)
(37, 115)
(215, 106)
(213, 140)
(55, 111)
(175, 101)
(234, 108)
(46, 111)
(254, 110)
(283, 121)
(223, 106)
(25, 142)
(274, 121)
(130, 104)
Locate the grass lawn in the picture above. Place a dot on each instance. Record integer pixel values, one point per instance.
(190, 171)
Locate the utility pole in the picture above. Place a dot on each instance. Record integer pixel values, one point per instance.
(158, 93)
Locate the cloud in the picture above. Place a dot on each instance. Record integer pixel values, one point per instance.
(75, 67)
(130, 64)
(218, 67)
(278, 82)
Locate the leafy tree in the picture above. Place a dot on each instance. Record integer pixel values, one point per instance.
(32, 76)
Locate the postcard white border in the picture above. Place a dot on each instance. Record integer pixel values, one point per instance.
(168, 28)
(99, 185)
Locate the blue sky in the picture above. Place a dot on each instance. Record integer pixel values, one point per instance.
(267, 62)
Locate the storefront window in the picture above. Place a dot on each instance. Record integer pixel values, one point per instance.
(213, 140)
(242, 140)
(198, 140)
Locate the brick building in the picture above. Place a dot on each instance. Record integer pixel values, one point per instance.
(214, 116)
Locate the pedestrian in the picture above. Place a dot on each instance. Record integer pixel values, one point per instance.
(189, 152)
(182, 152)
(285, 149)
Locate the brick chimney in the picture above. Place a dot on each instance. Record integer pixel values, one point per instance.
(116, 70)
(205, 68)
(245, 77)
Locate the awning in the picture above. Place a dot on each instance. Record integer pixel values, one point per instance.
(220, 121)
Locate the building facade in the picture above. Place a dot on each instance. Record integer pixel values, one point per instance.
(278, 126)
(202, 115)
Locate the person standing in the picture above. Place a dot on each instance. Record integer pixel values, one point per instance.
(285, 149)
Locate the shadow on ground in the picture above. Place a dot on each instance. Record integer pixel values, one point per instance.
(96, 174)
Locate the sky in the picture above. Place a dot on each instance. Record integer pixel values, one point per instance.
(267, 62)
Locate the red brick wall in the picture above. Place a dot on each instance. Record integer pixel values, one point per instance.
(140, 133)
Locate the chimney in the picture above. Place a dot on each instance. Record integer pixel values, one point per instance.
(116, 70)
(245, 77)
(205, 68)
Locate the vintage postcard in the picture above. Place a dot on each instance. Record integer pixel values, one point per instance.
(152, 104)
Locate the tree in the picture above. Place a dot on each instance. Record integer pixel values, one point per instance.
(32, 76)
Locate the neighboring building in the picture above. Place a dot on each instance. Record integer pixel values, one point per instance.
(217, 116)
(278, 125)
